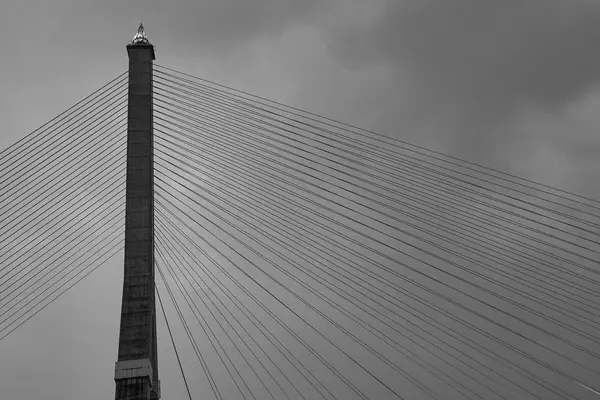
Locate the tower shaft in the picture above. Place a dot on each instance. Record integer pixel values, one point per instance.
(136, 371)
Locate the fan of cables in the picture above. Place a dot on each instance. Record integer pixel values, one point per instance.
(307, 258)
(61, 203)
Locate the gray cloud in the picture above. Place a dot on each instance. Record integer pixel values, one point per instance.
(475, 64)
(212, 25)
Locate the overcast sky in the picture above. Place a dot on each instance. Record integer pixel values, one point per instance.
(512, 84)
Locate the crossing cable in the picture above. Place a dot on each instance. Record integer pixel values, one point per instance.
(241, 306)
(184, 292)
(379, 203)
(173, 341)
(316, 293)
(176, 260)
(232, 225)
(529, 237)
(527, 373)
(280, 232)
(116, 82)
(380, 335)
(432, 266)
(168, 244)
(345, 312)
(82, 275)
(20, 286)
(251, 108)
(497, 324)
(181, 222)
(56, 188)
(237, 113)
(170, 238)
(462, 206)
(387, 140)
(392, 217)
(325, 362)
(181, 233)
(495, 216)
(188, 165)
(54, 160)
(49, 152)
(354, 298)
(193, 342)
(377, 354)
(349, 334)
(284, 351)
(335, 152)
(323, 237)
(74, 190)
(218, 160)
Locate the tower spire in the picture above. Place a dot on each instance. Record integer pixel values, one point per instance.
(140, 36)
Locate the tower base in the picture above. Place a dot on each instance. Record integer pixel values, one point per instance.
(133, 380)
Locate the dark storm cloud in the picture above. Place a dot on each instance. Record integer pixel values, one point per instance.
(476, 63)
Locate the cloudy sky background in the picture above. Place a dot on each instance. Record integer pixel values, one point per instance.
(510, 84)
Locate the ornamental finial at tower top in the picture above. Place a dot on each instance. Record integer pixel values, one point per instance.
(140, 36)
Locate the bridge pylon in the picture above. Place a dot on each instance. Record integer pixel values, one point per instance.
(136, 369)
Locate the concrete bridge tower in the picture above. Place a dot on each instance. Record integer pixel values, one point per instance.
(136, 370)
